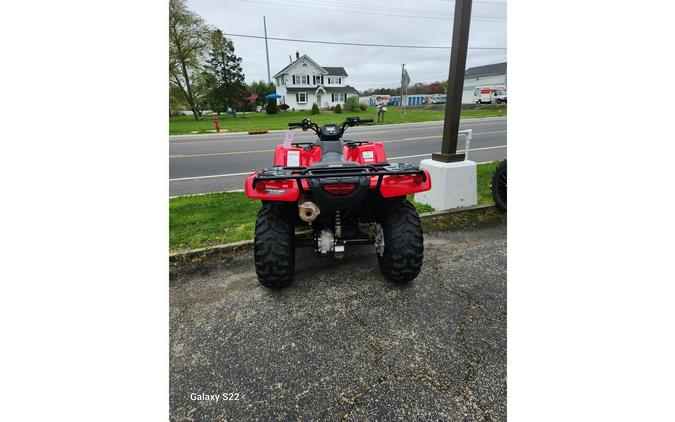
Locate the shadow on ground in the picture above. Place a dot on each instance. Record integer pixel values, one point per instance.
(341, 343)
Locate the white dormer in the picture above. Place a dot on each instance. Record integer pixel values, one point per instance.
(304, 72)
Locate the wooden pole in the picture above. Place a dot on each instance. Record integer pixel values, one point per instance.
(460, 43)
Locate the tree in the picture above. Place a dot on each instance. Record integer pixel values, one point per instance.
(225, 73)
(187, 45)
(177, 101)
(436, 88)
(417, 88)
(261, 88)
(272, 106)
(352, 103)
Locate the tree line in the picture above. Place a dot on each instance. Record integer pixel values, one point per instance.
(438, 87)
(204, 71)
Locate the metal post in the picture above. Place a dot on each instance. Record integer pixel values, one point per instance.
(460, 43)
(467, 143)
(267, 52)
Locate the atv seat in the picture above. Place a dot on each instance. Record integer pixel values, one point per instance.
(333, 158)
(332, 154)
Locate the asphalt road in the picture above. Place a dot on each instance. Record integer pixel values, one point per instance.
(216, 163)
(341, 343)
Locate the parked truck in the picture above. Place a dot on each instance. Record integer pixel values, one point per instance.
(489, 94)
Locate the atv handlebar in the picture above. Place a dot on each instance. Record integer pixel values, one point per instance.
(308, 124)
(305, 124)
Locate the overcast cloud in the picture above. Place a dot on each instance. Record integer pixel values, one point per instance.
(346, 21)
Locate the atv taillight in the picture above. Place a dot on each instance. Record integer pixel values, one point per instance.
(260, 187)
(418, 179)
(339, 189)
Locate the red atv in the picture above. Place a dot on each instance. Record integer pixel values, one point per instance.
(347, 193)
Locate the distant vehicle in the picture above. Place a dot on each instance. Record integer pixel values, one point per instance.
(488, 94)
(435, 99)
(499, 97)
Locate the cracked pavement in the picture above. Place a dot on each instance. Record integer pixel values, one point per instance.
(342, 343)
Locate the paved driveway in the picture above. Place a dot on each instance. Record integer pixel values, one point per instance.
(341, 343)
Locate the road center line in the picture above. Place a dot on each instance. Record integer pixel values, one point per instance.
(246, 173)
(419, 138)
(272, 136)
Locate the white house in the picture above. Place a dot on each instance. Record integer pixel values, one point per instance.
(304, 83)
(488, 75)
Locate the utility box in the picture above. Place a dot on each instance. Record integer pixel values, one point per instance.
(453, 185)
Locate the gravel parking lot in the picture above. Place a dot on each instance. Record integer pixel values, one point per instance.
(341, 343)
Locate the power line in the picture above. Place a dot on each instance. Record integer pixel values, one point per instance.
(361, 6)
(358, 44)
(341, 10)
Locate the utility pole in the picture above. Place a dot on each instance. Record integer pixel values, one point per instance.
(460, 43)
(267, 52)
(402, 110)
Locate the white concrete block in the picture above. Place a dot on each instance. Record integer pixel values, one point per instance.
(453, 185)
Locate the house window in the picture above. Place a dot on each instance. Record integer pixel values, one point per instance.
(339, 80)
(337, 98)
(301, 97)
(304, 79)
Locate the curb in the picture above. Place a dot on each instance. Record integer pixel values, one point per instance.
(246, 245)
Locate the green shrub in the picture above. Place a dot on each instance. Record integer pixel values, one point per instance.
(337, 109)
(315, 109)
(351, 104)
(272, 106)
(363, 106)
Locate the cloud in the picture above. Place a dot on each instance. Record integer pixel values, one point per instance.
(368, 67)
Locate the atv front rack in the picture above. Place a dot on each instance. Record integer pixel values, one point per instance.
(298, 173)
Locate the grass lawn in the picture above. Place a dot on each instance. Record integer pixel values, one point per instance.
(181, 125)
(211, 219)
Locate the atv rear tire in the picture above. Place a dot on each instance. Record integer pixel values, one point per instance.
(499, 186)
(273, 246)
(401, 260)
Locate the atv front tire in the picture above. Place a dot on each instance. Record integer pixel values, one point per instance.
(273, 246)
(401, 260)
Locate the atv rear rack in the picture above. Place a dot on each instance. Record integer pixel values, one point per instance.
(298, 173)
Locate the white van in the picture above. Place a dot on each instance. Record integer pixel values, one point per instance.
(488, 94)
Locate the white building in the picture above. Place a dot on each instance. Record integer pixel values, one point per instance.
(304, 83)
(488, 75)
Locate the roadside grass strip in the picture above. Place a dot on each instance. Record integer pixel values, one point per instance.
(199, 221)
(254, 122)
